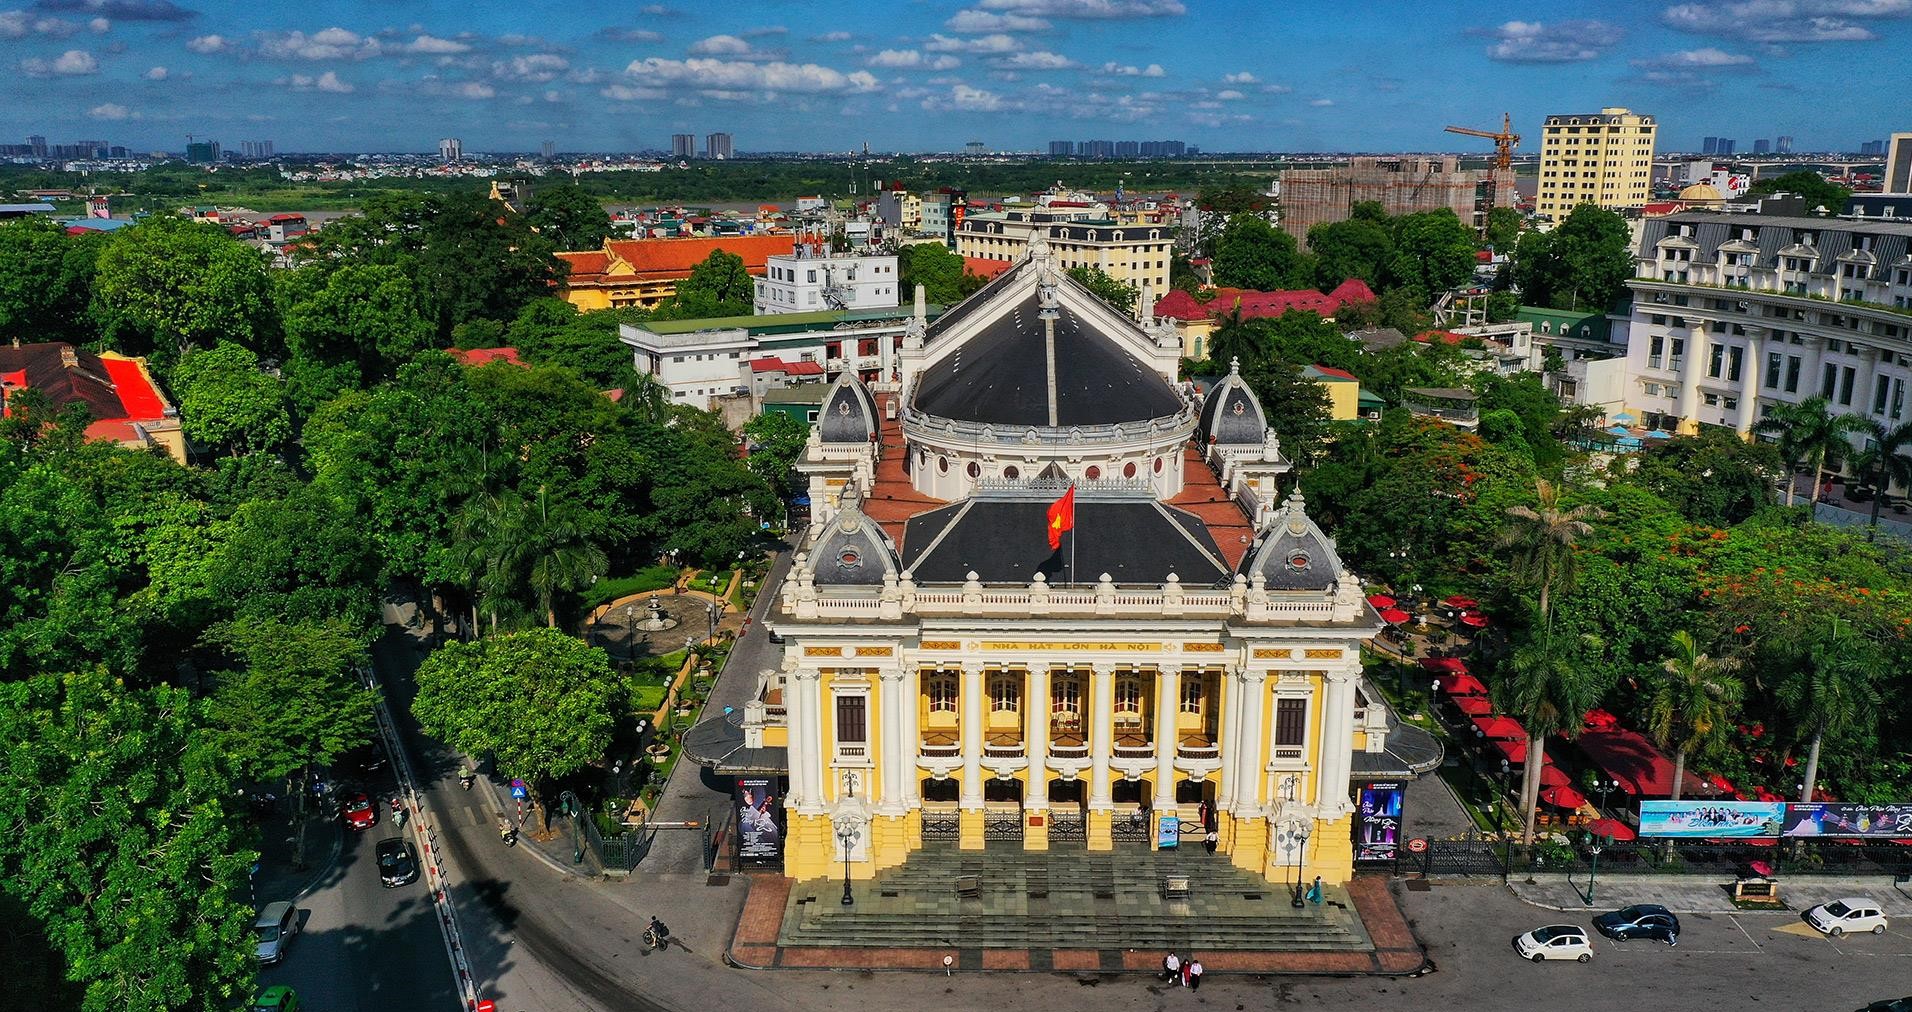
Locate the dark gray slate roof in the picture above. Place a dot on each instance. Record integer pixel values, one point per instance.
(1001, 375)
(1007, 541)
(848, 414)
(1378, 339)
(718, 742)
(1410, 752)
(852, 551)
(1831, 237)
(1294, 554)
(1231, 413)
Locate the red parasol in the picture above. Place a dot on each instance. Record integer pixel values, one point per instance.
(1515, 752)
(1462, 685)
(1457, 601)
(1394, 616)
(1551, 776)
(1599, 720)
(1562, 797)
(1381, 601)
(1444, 664)
(1473, 706)
(1474, 620)
(1500, 727)
(1613, 828)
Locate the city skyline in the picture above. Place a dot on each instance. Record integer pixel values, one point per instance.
(1011, 73)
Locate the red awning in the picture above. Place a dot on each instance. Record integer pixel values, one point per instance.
(1630, 759)
(1562, 797)
(1394, 616)
(1473, 706)
(1613, 828)
(1462, 685)
(1381, 601)
(1500, 727)
(1515, 752)
(1552, 776)
(1474, 620)
(1457, 601)
(1453, 664)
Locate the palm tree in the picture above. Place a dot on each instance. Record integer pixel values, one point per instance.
(562, 557)
(1549, 691)
(1235, 340)
(1809, 433)
(1542, 540)
(1831, 690)
(490, 551)
(1689, 709)
(1883, 461)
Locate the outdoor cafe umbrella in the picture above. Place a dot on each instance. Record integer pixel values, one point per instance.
(1562, 797)
(1462, 685)
(1381, 601)
(1474, 620)
(1613, 828)
(1622, 417)
(1473, 706)
(1552, 776)
(1457, 601)
(1515, 752)
(1500, 727)
(1394, 616)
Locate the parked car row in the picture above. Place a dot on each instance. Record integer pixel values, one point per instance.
(1853, 914)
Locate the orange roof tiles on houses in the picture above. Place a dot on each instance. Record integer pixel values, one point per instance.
(893, 498)
(984, 268)
(1203, 495)
(588, 263)
(665, 259)
(1445, 337)
(1180, 305)
(486, 356)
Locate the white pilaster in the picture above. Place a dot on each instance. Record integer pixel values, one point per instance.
(897, 763)
(1036, 737)
(1337, 742)
(972, 735)
(1231, 736)
(1102, 742)
(912, 736)
(1168, 706)
(805, 712)
(1691, 371)
(1250, 761)
(1750, 376)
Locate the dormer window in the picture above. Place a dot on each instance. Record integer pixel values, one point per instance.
(1298, 561)
(849, 559)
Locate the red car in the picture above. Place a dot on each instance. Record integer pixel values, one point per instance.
(360, 813)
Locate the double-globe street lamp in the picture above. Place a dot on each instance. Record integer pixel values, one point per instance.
(1298, 843)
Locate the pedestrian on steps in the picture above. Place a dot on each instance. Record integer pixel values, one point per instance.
(1188, 962)
(1171, 967)
(1194, 974)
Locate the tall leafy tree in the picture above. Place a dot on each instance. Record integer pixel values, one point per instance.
(46, 280)
(1250, 253)
(227, 403)
(1359, 247)
(520, 543)
(1809, 433)
(1691, 705)
(1433, 252)
(540, 701)
(939, 270)
(776, 440)
(1583, 264)
(168, 285)
(121, 842)
(1883, 461)
(568, 218)
(1541, 541)
(1831, 690)
(1116, 293)
(719, 286)
(1503, 229)
(349, 326)
(1549, 688)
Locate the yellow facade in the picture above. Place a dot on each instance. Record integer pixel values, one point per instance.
(1344, 397)
(1605, 159)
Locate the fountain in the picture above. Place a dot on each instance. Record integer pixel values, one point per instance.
(655, 620)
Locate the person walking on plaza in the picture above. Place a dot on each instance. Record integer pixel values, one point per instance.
(1171, 967)
(1194, 974)
(1187, 962)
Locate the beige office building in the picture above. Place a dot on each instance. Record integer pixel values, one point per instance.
(1134, 254)
(1604, 159)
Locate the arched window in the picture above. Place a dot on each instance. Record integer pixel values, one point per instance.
(942, 465)
(1005, 693)
(974, 470)
(1128, 469)
(1192, 693)
(1128, 695)
(1158, 464)
(1065, 695)
(1011, 472)
(941, 689)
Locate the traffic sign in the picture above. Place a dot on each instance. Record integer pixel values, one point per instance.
(518, 789)
(1417, 845)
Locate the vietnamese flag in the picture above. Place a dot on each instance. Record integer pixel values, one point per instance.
(1061, 517)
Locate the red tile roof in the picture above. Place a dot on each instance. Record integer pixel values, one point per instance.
(1328, 370)
(1445, 337)
(1180, 305)
(766, 365)
(666, 259)
(117, 391)
(1203, 495)
(588, 262)
(985, 268)
(486, 356)
(803, 369)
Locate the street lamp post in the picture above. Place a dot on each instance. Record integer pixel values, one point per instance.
(1298, 839)
(1595, 844)
(571, 808)
(846, 834)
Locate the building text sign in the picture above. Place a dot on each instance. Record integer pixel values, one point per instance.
(1074, 647)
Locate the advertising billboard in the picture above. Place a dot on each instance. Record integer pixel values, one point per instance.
(759, 838)
(1711, 819)
(1878, 822)
(1377, 821)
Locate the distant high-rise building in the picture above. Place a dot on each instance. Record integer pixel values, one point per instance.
(116, 151)
(1872, 148)
(550, 149)
(683, 145)
(1127, 149)
(1762, 146)
(1061, 149)
(717, 146)
(1726, 145)
(975, 148)
(203, 152)
(256, 149)
(1603, 158)
(1709, 146)
(451, 149)
(38, 144)
(1783, 144)
(1898, 164)
(1096, 149)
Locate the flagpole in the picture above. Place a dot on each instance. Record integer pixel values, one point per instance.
(1072, 539)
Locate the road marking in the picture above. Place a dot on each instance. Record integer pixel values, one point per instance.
(1800, 929)
(1743, 931)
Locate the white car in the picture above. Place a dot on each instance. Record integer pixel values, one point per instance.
(273, 930)
(1555, 941)
(1854, 913)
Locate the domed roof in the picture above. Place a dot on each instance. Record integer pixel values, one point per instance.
(1231, 413)
(1005, 374)
(1701, 191)
(848, 414)
(852, 550)
(1294, 553)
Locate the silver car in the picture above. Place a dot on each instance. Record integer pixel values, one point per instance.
(273, 929)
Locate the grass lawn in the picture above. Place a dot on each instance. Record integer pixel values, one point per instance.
(712, 582)
(612, 588)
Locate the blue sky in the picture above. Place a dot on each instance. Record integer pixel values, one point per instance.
(919, 75)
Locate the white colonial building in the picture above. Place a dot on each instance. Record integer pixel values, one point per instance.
(812, 279)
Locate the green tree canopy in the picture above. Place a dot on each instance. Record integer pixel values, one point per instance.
(1250, 253)
(46, 281)
(1433, 252)
(776, 440)
(1359, 247)
(539, 701)
(347, 327)
(1503, 228)
(226, 403)
(939, 270)
(293, 698)
(1808, 184)
(1115, 293)
(168, 285)
(719, 286)
(1583, 264)
(568, 218)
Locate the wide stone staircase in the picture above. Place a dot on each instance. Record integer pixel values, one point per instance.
(1008, 898)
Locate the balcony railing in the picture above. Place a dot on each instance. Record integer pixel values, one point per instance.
(1135, 751)
(1101, 600)
(1003, 750)
(1187, 750)
(940, 750)
(1069, 751)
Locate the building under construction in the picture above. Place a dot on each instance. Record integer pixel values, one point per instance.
(1404, 185)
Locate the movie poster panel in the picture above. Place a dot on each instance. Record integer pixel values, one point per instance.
(1377, 821)
(1711, 819)
(759, 838)
(1877, 822)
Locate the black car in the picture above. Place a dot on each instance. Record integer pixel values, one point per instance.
(1642, 920)
(397, 862)
(1897, 1005)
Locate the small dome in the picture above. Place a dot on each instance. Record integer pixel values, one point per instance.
(1294, 553)
(848, 414)
(1232, 414)
(1702, 193)
(852, 550)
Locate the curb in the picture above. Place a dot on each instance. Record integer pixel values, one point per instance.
(497, 810)
(331, 861)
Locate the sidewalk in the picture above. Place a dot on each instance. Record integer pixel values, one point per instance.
(278, 877)
(1702, 894)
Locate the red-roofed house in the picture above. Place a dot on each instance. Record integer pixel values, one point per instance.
(1196, 320)
(486, 356)
(985, 268)
(126, 404)
(645, 272)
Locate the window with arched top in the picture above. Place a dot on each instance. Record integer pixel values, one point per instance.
(941, 690)
(1128, 695)
(1011, 472)
(974, 470)
(1159, 461)
(942, 465)
(1005, 693)
(1065, 695)
(1192, 693)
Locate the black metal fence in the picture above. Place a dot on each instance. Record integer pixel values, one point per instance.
(1483, 857)
(1454, 859)
(941, 828)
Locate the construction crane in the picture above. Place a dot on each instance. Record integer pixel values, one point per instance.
(1504, 141)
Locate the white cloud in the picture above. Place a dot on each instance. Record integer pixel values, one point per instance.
(1785, 20)
(626, 93)
(20, 24)
(1703, 57)
(733, 75)
(433, 45)
(474, 90)
(832, 37)
(975, 99)
(658, 11)
(1120, 70)
(1088, 9)
(976, 22)
(720, 45)
(1038, 60)
(99, 26)
(1321, 103)
(156, 74)
(327, 82)
(326, 44)
(1554, 42)
(537, 67)
(1242, 78)
(110, 110)
(983, 44)
(632, 35)
(554, 95)
(210, 44)
(910, 59)
(1230, 95)
(72, 63)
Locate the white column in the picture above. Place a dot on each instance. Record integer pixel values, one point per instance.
(1168, 707)
(1250, 761)
(1690, 374)
(896, 762)
(1036, 738)
(1750, 374)
(1872, 378)
(1809, 370)
(972, 735)
(1102, 742)
(912, 736)
(1230, 730)
(1337, 743)
(805, 712)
